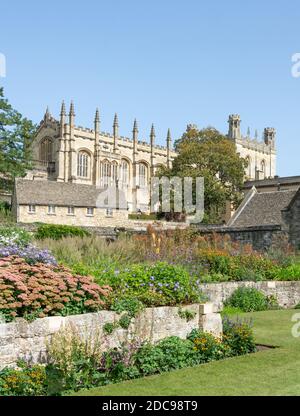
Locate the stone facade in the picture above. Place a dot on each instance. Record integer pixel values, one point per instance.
(286, 293)
(261, 156)
(64, 152)
(21, 339)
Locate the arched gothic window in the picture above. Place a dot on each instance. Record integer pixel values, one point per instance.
(46, 150)
(105, 172)
(142, 175)
(124, 172)
(114, 172)
(83, 164)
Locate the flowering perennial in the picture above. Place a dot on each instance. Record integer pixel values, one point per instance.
(39, 290)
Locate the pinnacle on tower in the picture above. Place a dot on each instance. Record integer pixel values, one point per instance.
(135, 126)
(72, 112)
(248, 132)
(169, 138)
(63, 109)
(152, 133)
(97, 115)
(47, 113)
(116, 121)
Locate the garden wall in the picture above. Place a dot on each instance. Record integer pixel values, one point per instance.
(20, 339)
(286, 293)
(261, 238)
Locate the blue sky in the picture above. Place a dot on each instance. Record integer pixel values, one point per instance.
(168, 62)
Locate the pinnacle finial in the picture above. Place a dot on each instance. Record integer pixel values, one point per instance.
(63, 109)
(248, 132)
(135, 126)
(97, 115)
(116, 121)
(152, 133)
(169, 135)
(72, 112)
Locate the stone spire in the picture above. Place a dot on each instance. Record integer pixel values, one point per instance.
(62, 117)
(63, 109)
(96, 164)
(72, 155)
(169, 142)
(72, 114)
(152, 141)
(47, 114)
(135, 133)
(97, 121)
(116, 132)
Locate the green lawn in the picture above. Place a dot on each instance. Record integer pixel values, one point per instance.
(269, 372)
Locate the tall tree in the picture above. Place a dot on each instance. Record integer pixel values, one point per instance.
(209, 154)
(16, 133)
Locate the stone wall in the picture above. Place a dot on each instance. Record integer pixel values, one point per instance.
(261, 237)
(21, 339)
(286, 293)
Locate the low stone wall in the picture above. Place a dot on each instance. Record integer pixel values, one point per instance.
(286, 293)
(261, 238)
(23, 340)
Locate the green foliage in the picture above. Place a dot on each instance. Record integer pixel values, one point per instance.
(238, 336)
(56, 232)
(125, 321)
(24, 381)
(250, 300)
(155, 285)
(207, 153)
(186, 314)
(16, 133)
(109, 328)
(130, 305)
(14, 235)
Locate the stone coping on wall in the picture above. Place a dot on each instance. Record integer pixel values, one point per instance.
(21, 339)
(287, 293)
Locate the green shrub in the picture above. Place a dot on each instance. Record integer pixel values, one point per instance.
(154, 285)
(248, 300)
(169, 354)
(14, 236)
(208, 347)
(25, 381)
(56, 232)
(238, 336)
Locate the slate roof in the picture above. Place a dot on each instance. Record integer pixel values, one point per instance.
(278, 180)
(262, 208)
(42, 192)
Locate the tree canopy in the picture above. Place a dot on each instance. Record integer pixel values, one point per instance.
(16, 133)
(209, 154)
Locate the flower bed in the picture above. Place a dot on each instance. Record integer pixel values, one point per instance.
(39, 290)
(76, 363)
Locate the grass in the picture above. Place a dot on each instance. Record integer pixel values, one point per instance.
(269, 372)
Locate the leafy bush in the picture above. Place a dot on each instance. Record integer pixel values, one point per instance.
(248, 300)
(56, 232)
(154, 285)
(25, 381)
(238, 336)
(208, 347)
(170, 353)
(14, 236)
(32, 291)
